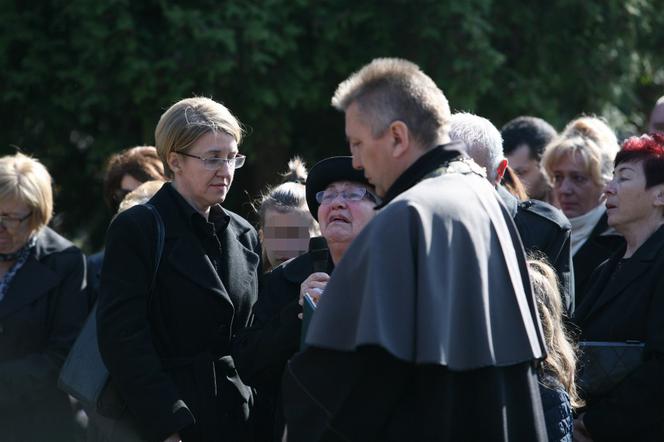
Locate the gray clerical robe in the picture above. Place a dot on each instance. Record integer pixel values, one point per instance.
(434, 279)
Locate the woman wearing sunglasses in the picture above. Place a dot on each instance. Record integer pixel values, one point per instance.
(166, 342)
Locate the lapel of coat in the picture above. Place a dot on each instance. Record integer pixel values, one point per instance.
(183, 250)
(595, 291)
(31, 282)
(190, 260)
(633, 269)
(236, 259)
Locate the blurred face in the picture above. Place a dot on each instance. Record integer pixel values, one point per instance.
(204, 188)
(127, 185)
(628, 203)
(575, 191)
(529, 172)
(14, 225)
(373, 155)
(342, 220)
(286, 235)
(657, 119)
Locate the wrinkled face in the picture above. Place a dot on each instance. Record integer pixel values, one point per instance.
(14, 233)
(575, 191)
(628, 203)
(202, 187)
(342, 220)
(529, 172)
(286, 235)
(373, 155)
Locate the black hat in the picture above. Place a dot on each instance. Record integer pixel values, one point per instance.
(326, 172)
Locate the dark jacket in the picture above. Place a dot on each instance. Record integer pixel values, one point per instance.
(602, 243)
(94, 263)
(261, 351)
(545, 230)
(169, 352)
(40, 317)
(626, 302)
(557, 408)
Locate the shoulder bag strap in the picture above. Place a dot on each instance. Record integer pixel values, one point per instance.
(159, 244)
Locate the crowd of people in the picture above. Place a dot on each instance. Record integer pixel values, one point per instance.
(461, 277)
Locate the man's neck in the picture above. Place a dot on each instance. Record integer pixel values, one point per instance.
(418, 166)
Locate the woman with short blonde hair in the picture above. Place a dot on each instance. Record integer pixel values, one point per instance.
(579, 163)
(26, 179)
(42, 305)
(165, 334)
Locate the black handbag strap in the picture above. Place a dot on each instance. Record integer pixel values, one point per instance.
(159, 245)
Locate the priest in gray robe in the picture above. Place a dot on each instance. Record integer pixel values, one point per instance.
(427, 329)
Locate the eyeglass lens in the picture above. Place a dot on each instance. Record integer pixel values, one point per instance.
(327, 196)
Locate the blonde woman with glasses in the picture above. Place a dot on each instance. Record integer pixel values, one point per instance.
(42, 306)
(165, 336)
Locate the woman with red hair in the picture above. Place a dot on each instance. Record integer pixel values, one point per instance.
(626, 298)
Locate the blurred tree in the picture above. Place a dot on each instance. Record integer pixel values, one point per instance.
(82, 79)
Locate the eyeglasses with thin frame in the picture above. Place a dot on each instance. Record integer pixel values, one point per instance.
(214, 163)
(12, 222)
(328, 196)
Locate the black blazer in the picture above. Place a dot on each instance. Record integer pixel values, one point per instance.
(600, 245)
(169, 356)
(545, 230)
(626, 302)
(40, 317)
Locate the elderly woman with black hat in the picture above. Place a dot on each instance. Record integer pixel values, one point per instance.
(342, 201)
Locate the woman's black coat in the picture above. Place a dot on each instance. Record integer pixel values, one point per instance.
(169, 352)
(40, 317)
(261, 351)
(626, 302)
(600, 245)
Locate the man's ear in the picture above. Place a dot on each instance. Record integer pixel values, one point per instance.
(173, 162)
(400, 136)
(500, 171)
(659, 196)
(260, 236)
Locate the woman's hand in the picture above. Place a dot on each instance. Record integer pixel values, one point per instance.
(314, 286)
(175, 437)
(581, 433)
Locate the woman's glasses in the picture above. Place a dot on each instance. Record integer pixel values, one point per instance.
(12, 222)
(215, 163)
(353, 194)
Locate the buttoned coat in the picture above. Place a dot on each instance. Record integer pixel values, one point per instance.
(626, 302)
(168, 351)
(40, 317)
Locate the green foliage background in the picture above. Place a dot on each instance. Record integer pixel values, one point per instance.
(82, 79)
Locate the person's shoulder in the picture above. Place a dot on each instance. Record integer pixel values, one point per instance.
(544, 212)
(50, 245)
(296, 269)
(49, 241)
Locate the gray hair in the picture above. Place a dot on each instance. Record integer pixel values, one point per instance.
(392, 89)
(482, 138)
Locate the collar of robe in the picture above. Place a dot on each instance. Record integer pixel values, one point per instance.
(426, 164)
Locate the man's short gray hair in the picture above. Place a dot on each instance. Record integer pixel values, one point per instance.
(392, 89)
(482, 138)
